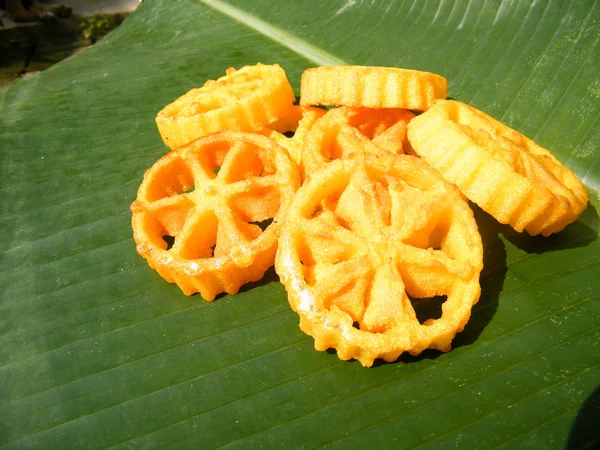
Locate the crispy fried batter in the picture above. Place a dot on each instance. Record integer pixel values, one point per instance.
(371, 87)
(208, 215)
(505, 173)
(247, 99)
(362, 235)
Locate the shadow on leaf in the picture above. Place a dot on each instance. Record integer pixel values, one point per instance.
(578, 234)
(585, 432)
(491, 279)
(270, 276)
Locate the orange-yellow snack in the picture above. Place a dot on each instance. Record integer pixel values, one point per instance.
(291, 121)
(366, 238)
(346, 130)
(371, 87)
(505, 173)
(247, 99)
(208, 215)
(300, 122)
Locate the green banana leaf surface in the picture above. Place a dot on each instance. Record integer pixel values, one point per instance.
(98, 351)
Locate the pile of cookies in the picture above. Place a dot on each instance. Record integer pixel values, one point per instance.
(362, 207)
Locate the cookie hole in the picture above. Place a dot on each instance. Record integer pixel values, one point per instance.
(263, 224)
(306, 256)
(172, 217)
(155, 232)
(374, 122)
(317, 211)
(432, 236)
(307, 261)
(437, 237)
(356, 325)
(333, 151)
(428, 308)
(258, 205)
(169, 240)
(308, 275)
(211, 158)
(171, 178)
(330, 147)
(201, 238)
(289, 134)
(328, 203)
(247, 161)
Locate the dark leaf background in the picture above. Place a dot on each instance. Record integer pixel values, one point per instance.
(97, 351)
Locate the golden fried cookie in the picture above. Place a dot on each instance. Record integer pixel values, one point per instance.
(505, 173)
(208, 215)
(371, 87)
(346, 130)
(368, 239)
(247, 99)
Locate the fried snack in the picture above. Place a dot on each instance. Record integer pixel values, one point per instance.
(208, 215)
(505, 173)
(346, 130)
(247, 99)
(300, 121)
(372, 87)
(366, 239)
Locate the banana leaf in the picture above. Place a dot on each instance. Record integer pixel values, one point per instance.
(97, 351)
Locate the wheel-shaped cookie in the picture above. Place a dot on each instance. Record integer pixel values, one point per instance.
(371, 87)
(208, 215)
(365, 237)
(247, 99)
(505, 173)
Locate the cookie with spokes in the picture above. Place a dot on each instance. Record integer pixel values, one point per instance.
(366, 239)
(507, 174)
(208, 215)
(247, 99)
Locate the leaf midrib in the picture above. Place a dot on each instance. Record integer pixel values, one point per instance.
(276, 34)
